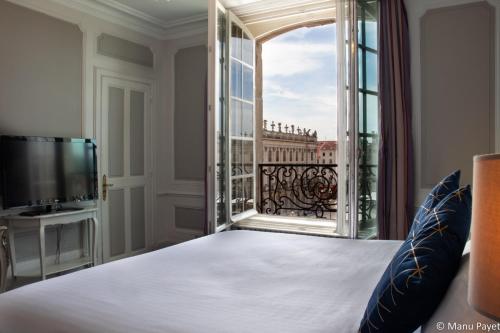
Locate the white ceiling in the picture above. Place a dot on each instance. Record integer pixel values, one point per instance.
(166, 10)
(253, 10)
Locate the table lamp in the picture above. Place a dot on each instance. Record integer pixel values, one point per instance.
(484, 273)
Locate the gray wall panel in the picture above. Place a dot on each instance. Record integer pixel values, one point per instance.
(457, 64)
(189, 116)
(40, 74)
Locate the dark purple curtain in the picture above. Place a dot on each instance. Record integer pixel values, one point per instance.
(395, 187)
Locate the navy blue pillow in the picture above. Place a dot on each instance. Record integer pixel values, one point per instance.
(418, 276)
(449, 184)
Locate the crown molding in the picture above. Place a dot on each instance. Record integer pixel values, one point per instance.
(119, 14)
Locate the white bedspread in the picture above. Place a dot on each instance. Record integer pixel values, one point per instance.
(237, 281)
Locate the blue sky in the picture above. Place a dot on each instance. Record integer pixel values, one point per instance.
(300, 78)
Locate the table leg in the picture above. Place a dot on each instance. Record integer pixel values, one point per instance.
(12, 250)
(42, 251)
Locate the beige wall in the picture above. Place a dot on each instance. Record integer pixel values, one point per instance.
(458, 102)
(181, 140)
(40, 74)
(455, 67)
(40, 94)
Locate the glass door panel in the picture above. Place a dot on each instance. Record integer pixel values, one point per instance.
(368, 129)
(241, 115)
(221, 117)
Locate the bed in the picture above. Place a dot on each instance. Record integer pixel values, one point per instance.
(236, 281)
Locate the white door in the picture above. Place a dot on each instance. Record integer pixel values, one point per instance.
(231, 130)
(125, 176)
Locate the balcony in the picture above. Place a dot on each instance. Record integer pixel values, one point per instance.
(302, 198)
(298, 190)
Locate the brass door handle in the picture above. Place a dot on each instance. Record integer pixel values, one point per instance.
(105, 186)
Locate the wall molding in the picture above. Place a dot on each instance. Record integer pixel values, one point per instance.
(173, 186)
(122, 15)
(416, 10)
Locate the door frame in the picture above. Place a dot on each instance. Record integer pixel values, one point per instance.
(150, 166)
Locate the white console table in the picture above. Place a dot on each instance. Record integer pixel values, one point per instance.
(87, 216)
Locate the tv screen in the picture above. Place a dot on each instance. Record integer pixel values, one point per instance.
(37, 171)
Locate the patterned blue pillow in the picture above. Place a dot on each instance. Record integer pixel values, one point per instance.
(418, 276)
(449, 184)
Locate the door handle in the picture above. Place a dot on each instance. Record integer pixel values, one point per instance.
(105, 186)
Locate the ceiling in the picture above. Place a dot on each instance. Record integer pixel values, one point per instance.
(255, 11)
(165, 10)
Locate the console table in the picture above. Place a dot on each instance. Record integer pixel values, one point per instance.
(88, 216)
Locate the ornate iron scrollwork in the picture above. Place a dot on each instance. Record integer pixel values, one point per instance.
(299, 189)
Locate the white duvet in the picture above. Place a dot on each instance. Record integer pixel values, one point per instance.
(236, 281)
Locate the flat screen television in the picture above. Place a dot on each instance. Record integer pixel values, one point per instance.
(39, 171)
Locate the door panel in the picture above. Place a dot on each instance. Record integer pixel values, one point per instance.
(115, 133)
(137, 133)
(137, 213)
(125, 182)
(116, 199)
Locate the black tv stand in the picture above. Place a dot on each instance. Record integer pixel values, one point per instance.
(49, 211)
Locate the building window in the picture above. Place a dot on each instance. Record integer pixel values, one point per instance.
(284, 156)
(277, 156)
(312, 156)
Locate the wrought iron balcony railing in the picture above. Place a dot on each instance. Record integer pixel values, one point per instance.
(298, 190)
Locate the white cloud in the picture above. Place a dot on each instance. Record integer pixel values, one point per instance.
(299, 82)
(289, 58)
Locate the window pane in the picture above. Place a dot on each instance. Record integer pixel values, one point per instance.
(236, 126)
(248, 198)
(236, 41)
(371, 34)
(236, 157)
(247, 120)
(237, 196)
(247, 83)
(247, 157)
(361, 70)
(371, 71)
(361, 117)
(372, 113)
(236, 73)
(247, 49)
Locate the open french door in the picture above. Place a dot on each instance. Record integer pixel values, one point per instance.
(357, 105)
(231, 173)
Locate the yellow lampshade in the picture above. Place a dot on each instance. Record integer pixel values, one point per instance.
(484, 274)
